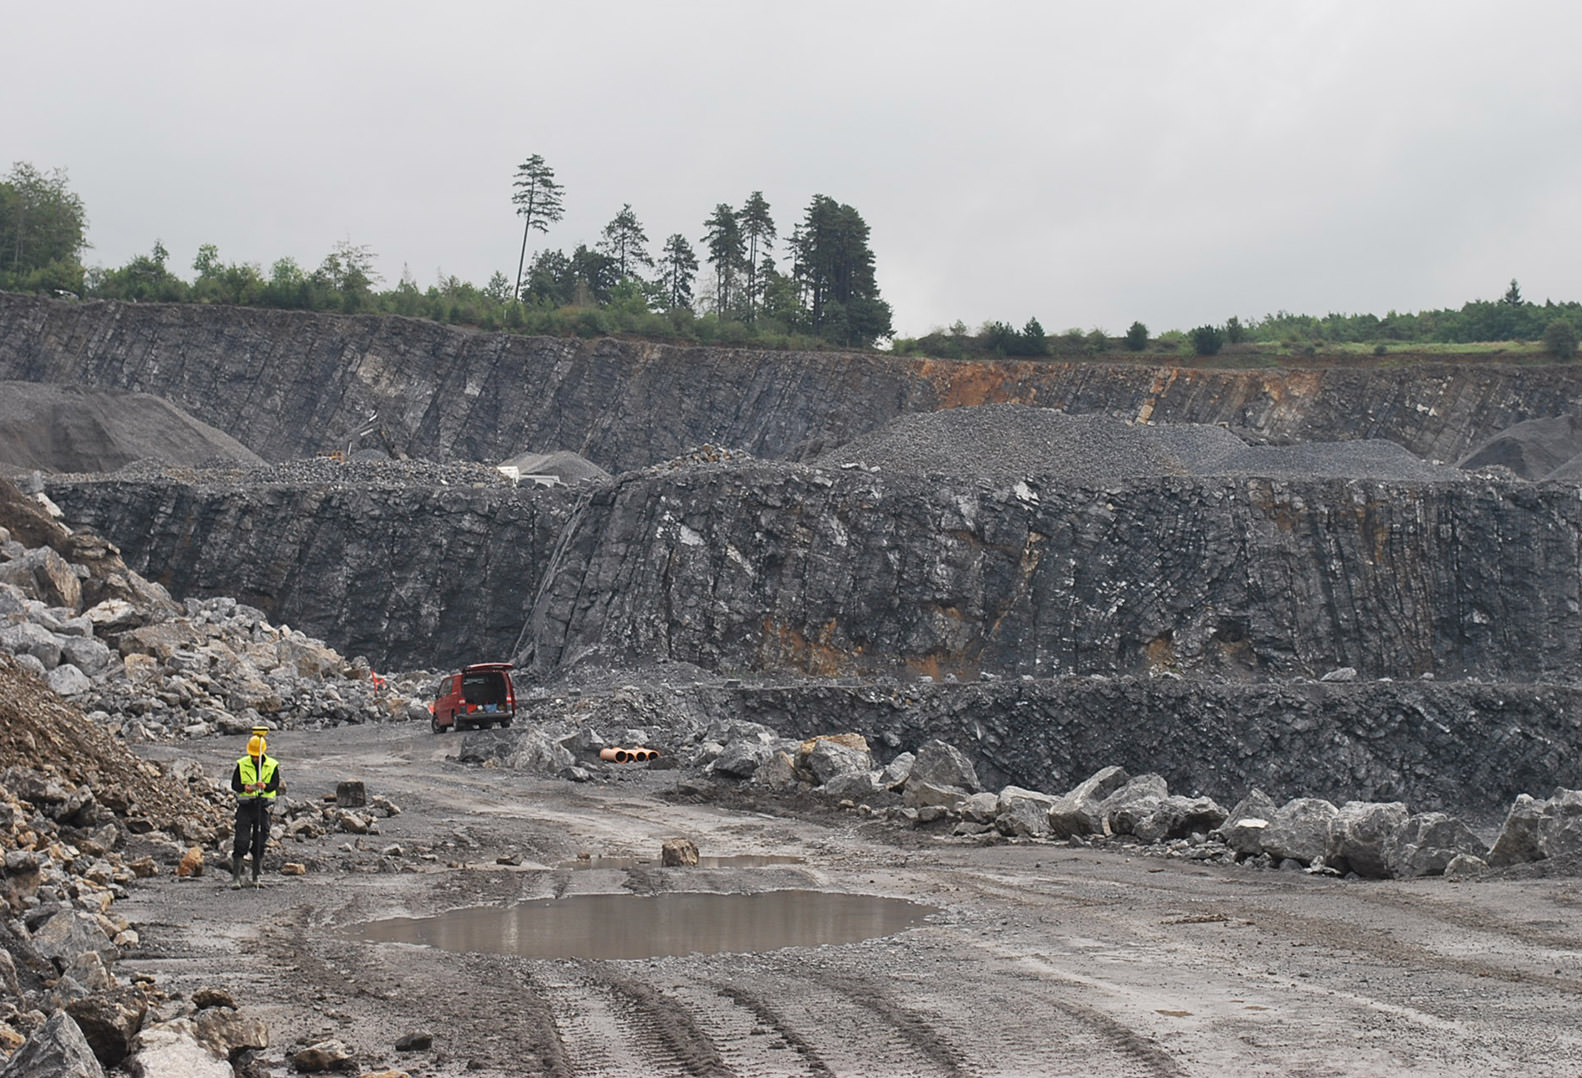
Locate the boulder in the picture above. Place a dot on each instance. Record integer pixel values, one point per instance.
(173, 1050)
(69, 933)
(944, 765)
(1021, 813)
(897, 771)
(1429, 841)
(921, 795)
(856, 785)
(109, 1021)
(58, 1049)
(44, 575)
(1299, 830)
(1122, 810)
(1078, 811)
(323, 1056)
(28, 638)
(678, 853)
(1520, 838)
(824, 757)
(1362, 835)
(742, 757)
(1560, 832)
(67, 680)
(776, 773)
(1179, 817)
(982, 807)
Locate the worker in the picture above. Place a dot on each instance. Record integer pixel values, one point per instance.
(256, 781)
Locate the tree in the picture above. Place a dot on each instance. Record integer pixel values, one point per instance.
(1235, 332)
(835, 267)
(1207, 340)
(626, 243)
(349, 271)
(1136, 337)
(677, 265)
(537, 200)
(1560, 338)
(41, 230)
(758, 230)
(726, 252)
(1513, 295)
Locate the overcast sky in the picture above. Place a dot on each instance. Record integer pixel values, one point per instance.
(1086, 164)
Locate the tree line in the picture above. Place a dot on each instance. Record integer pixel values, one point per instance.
(826, 294)
(822, 292)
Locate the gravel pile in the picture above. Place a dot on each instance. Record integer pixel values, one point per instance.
(1010, 440)
(313, 471)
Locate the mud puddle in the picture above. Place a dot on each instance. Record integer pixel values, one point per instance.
(742, 860)
(617, 926)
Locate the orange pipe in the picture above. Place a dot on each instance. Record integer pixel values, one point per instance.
(620, 756)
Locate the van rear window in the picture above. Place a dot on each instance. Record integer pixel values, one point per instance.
(486, 688)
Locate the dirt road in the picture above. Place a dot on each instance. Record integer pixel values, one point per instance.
(1021, 959)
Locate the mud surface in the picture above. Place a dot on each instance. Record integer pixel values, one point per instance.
(1040, 959)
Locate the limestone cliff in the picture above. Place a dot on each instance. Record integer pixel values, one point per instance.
(292, 384)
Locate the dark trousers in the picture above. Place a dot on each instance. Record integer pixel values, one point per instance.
(252, 828)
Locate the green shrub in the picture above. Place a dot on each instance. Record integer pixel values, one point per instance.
(1137, 337)
(1208, 340)
(1560, 338)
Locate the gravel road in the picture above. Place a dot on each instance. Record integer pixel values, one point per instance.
(1025, 959)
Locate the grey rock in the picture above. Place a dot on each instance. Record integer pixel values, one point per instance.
(857, 785)
(1299, 830)
(109, 1020)
(742, 756)
(1079, 812)
(58, 1050)
(1429, 841)
(827, 758)
(44, 575)
(1560, 831)
(897, 771)
(1020, 812)
(920, 795)
(1362, 837)
(323, 1056)
(942, 764)
(173, 1050)
(983, 807)
(1465, 866)
(1122, 810)
(67, 680)
(28, 638)
(69, 933)
(1177, 816)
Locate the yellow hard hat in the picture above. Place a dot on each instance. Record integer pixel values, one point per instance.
(255, 746)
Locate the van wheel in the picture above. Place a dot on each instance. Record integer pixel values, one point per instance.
(433, 724)
(504, 723)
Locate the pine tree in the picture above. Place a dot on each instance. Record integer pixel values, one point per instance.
(537, 200)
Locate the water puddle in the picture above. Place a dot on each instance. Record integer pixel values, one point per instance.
(740, 860)
(613, 926)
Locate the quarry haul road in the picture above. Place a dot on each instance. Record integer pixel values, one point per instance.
(1032, 959)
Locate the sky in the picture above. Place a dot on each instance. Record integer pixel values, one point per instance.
(1085, 164)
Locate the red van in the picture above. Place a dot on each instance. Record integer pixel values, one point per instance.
(481, 695)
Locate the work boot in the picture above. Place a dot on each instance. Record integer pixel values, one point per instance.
(236, 873)
(256, 868)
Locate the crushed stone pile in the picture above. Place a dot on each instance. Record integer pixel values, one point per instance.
(1534, 449)
(1012, 440)
(70, 428)
(563, 464)
(310, 472)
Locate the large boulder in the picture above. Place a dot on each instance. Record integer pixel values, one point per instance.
(741, 757)
(1245, 824)
(1362, 837)
(28, 638)
(1078, 811)
(1022, 813)
(1128, 806)
(44, 575)
(945, 765)
(58, 1050)
(1521, 836)
(1429, 841)
(109, 1021)
(826, 756)
(1300, 830)
(68, 934)
(174, 1050)
(1179, 817)
(1561, 830)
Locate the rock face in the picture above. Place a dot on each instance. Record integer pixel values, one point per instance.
(782, 567)
(448, 394)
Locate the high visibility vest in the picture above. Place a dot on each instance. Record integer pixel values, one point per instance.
(251, 773)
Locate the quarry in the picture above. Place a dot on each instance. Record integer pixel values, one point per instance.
(1009, 717)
